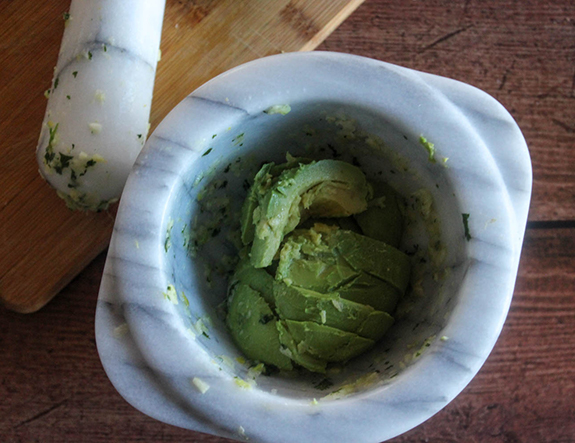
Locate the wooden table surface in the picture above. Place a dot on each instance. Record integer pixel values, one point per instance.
(53, 387)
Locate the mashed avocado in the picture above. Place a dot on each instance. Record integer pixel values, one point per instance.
(321, 294)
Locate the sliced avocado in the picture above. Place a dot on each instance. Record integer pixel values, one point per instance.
(383, 219)
(347, 223)
(373, 257)
(308, 261)
(257, 279)
(330, 199)
(340, 189)
(316, 274)
(326, 343)
(376, 330)
(267, 174)
(253, 327)
(262, 181)
(301, 304)
(371, 291)
(291, 162)
(326, 259)
(289, 347)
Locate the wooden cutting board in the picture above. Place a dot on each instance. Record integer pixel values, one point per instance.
(43, 245)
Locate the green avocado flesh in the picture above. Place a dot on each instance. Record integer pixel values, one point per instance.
(277, 203)
(253, 327)
(325, 343)
(331, 310)
(382, 220)
(309, 294)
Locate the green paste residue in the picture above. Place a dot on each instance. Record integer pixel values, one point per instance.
(429, 147)
(73, 164)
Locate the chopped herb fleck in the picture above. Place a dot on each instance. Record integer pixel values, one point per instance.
(75, 73)
(56, 82)
(466, 226)
(89, 55)
(50, 154)
(207, 152)
(139, 135)
(64, 162)
(105, 48)
(68, 97)
(66, 16)
(214, 136)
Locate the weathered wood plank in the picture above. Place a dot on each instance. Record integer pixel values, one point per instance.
(51, 381)
(39, 254)
(520, 52)
(55, 386)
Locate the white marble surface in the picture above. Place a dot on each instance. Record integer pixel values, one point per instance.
(143, 338)
(97, 116)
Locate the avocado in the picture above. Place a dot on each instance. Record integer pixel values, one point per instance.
(307, 260)
(302, 358)
(267, 175)
(253, 327)
(327, 188)
(301, 304)
(325, 258)
(257, 279)
(371, 291)
(326, 343)
(373, 257)
(262, 181)
(320, 274)
(383, 219)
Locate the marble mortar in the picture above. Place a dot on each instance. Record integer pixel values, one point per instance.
(150, 338)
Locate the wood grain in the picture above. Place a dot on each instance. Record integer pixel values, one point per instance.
(55, 386)
(43, 244)
(54, 389)
(522, 52)
(202, 39)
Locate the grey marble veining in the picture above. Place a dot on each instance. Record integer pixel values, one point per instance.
(151, 347)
